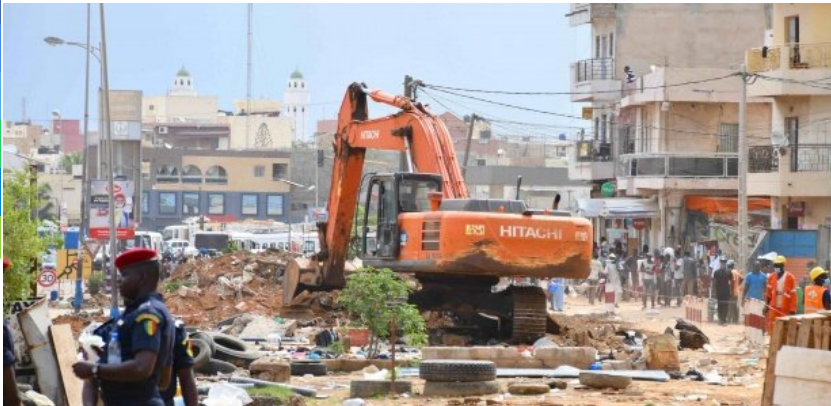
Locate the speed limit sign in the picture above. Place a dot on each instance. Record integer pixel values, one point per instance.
(47, 278)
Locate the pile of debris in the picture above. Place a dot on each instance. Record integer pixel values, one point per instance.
(596, 331)
(206, 291)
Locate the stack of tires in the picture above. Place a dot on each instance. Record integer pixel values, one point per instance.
(308, 367)
(216, 353)
(454, 378)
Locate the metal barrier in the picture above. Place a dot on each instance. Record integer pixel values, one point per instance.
(754, 322)
(694, 309)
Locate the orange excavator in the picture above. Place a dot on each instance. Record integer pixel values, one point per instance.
(426, 224)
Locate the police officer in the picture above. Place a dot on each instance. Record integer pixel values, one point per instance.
(145, 335)
(10, 395)
(182, 369)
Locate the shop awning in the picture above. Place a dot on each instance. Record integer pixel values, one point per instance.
(617, 208)
(715, 204)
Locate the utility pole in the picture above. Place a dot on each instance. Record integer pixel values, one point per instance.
(114, 312)
(79, 277)
(409, 93)
(743, 171)
(248, 75)
(473, 119)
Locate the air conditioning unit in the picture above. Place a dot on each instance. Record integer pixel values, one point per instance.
(163, 130)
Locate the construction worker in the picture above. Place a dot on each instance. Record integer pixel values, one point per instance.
(10, 395)
(817, 296)
(182, 370)
(781, 293)
(133, 374)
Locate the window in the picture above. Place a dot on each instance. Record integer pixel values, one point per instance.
(597, 47)
(151, 107)
(412, 194)
(190, 204)
(167, 174)
(216, 174)
(191, 174)
(259, 171)
(603, 127)
(249, 205)
(145, 202)
(216, 203)
(279, 171)
(167, 203)
(481, 162)
(611, 45)
(485, 134)
(728, 140)
(792, 130)
(274, 205)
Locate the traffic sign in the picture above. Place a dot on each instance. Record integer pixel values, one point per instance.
(47, 278)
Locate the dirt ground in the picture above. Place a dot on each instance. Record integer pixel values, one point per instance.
(744, 387)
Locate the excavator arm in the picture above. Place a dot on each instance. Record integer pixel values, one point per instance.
(413, 130)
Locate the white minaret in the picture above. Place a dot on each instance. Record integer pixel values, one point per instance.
(183, 84)
(296, 101)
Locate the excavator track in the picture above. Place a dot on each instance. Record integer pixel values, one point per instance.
(529, 313)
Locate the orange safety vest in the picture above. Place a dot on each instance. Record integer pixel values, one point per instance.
(782, 296)
(813, 299)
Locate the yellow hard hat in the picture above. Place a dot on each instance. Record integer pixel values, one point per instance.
(780, 260)
(817, 272)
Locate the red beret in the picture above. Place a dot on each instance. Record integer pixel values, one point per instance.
(134, 256)
(6, 263)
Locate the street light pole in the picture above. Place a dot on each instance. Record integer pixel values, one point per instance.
(114, 312)
(79, 278)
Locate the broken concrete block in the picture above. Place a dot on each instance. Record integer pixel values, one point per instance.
(241, 306)
(578, 357)
(557, 384)
(661, 352)
(528, 388)
(273, 369)
(621, 365)
(600, 380)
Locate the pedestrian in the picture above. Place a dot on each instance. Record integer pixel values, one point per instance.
(817, 295)
(678, 279)
(647, 272)
(704, 279)
(594, 276)
(690, 275)
(182, 370)
(722, 287)
(735, 292)
(613, 281)
(137, 358)
(557, 287)
(10, 395)
(780, 293)
(630, 277)
(667, 272)
(754, 283)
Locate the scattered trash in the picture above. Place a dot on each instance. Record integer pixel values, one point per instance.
(225, 394)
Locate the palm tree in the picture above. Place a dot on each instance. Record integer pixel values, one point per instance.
(68, 160)
(46, 208)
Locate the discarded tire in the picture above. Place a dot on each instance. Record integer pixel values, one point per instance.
(528, 389)
(460, 388)
(457, 371)
(304, 368)
(233, 350)
(201, 335)
(367, 389)
(216, 366)
(201, 352)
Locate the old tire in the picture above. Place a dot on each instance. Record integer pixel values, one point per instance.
(457, 371)
(216, 366)
(304, 368)
(454, 389)
(201, 335)
(233, 350)
(367, 389)
(201, 353)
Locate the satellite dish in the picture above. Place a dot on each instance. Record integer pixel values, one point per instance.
(778, 140)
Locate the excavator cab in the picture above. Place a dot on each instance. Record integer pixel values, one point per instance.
(388, 195)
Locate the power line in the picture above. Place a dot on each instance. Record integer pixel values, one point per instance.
(460, 89)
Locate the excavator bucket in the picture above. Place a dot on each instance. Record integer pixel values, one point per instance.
(300, 270)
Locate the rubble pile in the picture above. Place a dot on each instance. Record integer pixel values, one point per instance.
(204, 292)
(597, 331)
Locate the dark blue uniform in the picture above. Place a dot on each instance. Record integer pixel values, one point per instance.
(146, 325)
(182, 358)
(8, 347)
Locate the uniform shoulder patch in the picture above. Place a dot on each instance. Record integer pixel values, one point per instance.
(148, 316)
(150, 323)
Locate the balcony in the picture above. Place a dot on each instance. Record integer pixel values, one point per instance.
(587, 13)
(789, 63)
(678, 171)
(594, 79)
(593, 161)
(798, 170)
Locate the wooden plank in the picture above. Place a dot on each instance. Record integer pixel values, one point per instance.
(804, 334)
(826, 335)
(817, 330)
(803, 376)
(776, 340)
(793, 330)
(66, 351)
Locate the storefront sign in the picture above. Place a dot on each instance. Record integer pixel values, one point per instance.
(608, 189)
(796, 209)
(639, 224)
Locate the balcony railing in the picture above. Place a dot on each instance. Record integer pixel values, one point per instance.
(799, 158)
(716, 165)
(594, 151)
(595, 69)
(792, 56)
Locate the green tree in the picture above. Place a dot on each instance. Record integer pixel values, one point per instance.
(46, 207)
(368, 295)
(68, 160)
(22, 245)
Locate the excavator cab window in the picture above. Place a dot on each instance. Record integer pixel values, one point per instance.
(380, 218)
(412, 193)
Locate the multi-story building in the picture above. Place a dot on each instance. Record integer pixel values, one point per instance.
(651, 135)
(225, 186)
(296, 100)
(794, 71)
(25, 136)
(181, 104)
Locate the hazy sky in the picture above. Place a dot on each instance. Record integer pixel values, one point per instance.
(508, 47)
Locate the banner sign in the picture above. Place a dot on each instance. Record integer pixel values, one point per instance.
(99, 216)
